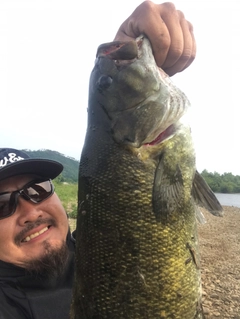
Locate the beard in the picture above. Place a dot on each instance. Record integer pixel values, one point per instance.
(54, 259)
(52, 264)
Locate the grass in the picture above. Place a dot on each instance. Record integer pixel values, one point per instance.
(67, 192)
(72, 223)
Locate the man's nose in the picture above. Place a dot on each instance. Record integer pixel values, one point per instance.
(27, 211)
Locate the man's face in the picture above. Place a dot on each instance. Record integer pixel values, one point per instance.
(45, 224)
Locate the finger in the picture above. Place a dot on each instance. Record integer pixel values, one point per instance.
(171, 17)
(132, 26)
(194, 47)
(189, 50)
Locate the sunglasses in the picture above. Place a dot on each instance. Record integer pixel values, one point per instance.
(35, 191)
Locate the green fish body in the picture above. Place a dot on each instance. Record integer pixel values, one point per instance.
(137, 252)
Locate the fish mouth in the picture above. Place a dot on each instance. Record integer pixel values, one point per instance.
(120, 50)
(164, 135)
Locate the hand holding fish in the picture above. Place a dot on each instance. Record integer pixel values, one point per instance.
(170, 34)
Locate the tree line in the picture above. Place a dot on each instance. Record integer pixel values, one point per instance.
(222, 183)
(225, 183)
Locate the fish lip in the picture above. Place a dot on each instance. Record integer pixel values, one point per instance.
(124, 51)
(125, 62)
(162, 136)
(33, 231)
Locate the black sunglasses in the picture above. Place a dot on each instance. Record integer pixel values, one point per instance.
(35, 191)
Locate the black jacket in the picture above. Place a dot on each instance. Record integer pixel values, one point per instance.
(26, 297)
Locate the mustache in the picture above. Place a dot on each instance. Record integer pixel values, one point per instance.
(31, 225)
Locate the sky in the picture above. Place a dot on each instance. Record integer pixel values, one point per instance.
(47, 52)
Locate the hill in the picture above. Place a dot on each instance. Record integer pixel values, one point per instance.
(70, 171)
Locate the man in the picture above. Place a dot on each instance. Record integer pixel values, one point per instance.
(36, 246)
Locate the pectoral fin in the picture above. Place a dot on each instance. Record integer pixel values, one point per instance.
(167, 190)
(204, 196)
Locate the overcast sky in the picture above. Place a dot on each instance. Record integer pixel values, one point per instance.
(47, 51)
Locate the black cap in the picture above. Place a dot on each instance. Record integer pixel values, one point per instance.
(14, 162)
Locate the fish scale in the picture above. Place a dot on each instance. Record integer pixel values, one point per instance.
(137, 254)
(129, 259)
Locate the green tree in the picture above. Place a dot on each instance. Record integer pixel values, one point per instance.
(225, 183)
(59, 179)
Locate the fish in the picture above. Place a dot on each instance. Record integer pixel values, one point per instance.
(139, 192)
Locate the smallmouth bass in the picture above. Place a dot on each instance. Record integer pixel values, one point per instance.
(137, 252)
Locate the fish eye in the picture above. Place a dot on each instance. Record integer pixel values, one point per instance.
(104, 82)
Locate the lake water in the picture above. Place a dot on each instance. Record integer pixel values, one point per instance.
(228, 199)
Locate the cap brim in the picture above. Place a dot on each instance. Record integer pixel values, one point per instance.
(42, 167)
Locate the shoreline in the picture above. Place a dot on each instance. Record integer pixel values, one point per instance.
(219, 240)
